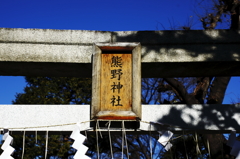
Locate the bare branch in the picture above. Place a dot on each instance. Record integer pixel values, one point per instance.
(201, 89)
(179, 87)
(217, 90)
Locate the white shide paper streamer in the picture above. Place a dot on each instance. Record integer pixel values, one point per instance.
(168, 146)
(7, 149)
(78, 143)
(164, 139)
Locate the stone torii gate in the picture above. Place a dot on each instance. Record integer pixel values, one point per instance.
(39, 52)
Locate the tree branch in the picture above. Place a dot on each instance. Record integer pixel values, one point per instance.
(179, 87)
(201, 89)
(217, 90)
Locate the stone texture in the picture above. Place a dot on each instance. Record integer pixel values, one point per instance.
(41, 117)
(39, 52)
(50, 36)
(194, 117)
(222, 118)
(21, 52)
(166, 53)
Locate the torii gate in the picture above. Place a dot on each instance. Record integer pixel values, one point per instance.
(40, 52)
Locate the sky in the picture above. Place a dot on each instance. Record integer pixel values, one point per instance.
(103, 15)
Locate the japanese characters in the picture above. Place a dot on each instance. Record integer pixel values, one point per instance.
(116, 82)
(116, 62)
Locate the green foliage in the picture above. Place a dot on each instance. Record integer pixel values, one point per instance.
(65, 90)
(138, 146)
(55, 90)
(50, 90)
(58, 146)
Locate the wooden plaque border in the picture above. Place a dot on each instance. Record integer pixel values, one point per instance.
(136, 112)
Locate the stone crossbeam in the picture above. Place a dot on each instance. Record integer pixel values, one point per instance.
(60, 118)
(46, 52)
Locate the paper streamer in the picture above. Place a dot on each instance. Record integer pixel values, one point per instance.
(78, 143)
(7, 149)
(168, 146)
(165, 137)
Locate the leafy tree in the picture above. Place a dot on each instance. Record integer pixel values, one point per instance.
(50, 90)
(55, 90)
(138, 146)
(58, 146)
(41, 90)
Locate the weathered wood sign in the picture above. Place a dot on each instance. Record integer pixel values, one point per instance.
(116, 77)
(116, 81)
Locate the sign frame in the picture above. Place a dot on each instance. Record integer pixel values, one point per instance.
(136, 109)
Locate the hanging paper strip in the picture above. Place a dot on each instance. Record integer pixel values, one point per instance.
(78, 143)
(168, 146)
(7, 149)
(164, 139)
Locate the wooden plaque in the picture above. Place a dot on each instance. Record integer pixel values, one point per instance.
(116, 92)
